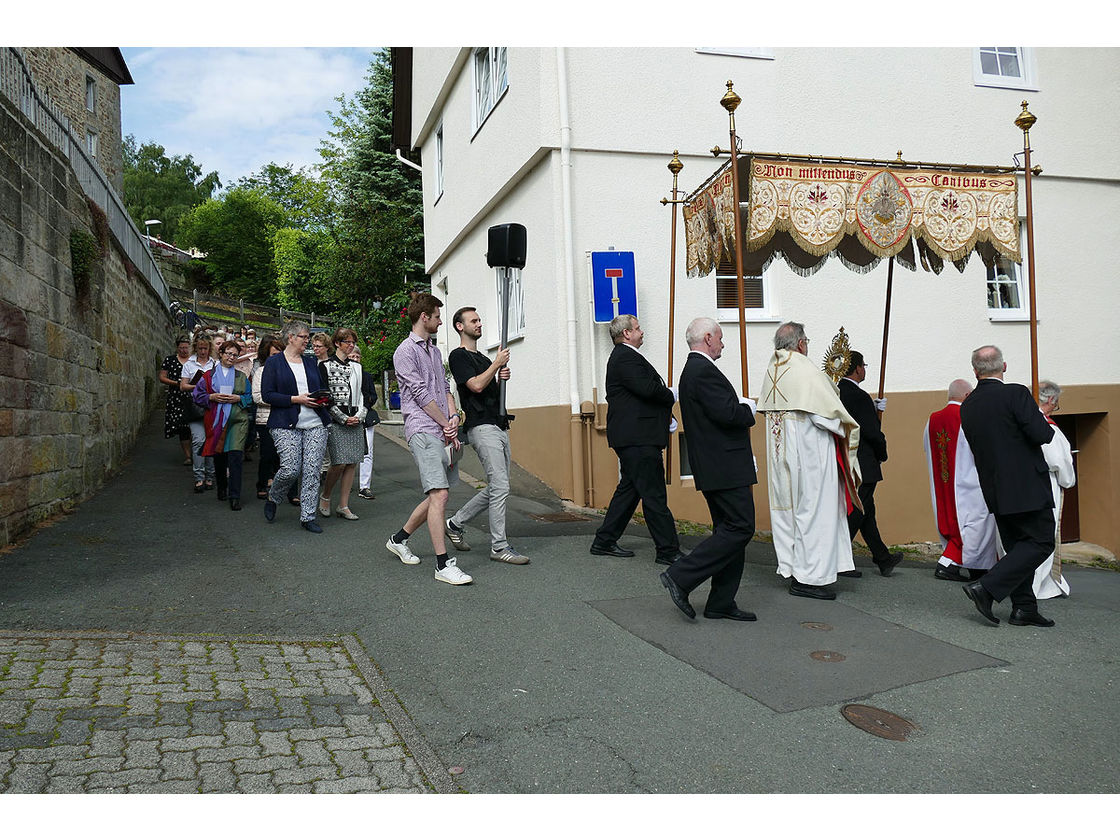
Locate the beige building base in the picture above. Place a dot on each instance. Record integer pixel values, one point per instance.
(570, 454)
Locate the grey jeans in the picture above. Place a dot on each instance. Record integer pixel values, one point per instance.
(203, 466)
(491, 444)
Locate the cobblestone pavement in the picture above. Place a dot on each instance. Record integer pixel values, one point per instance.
(117, 713)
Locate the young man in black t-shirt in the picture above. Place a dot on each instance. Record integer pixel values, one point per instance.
(486, 430)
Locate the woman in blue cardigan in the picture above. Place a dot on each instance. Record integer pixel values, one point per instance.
(297, 422)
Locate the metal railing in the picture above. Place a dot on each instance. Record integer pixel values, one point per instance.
(18, 86)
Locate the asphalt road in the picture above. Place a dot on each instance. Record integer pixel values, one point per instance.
(523, 682)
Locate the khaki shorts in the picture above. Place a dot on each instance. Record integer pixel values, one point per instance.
(437, 472)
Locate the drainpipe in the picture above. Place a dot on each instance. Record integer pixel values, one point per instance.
(577, 442)
(407, 162)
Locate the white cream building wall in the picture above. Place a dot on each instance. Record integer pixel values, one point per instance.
(629, 108)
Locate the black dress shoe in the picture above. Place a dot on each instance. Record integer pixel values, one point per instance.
(234, 503)
(1022, 619)
(611, 550)
(808, 590)
(983, 601)
(953, 572)
(886, 564)
(735, 614)
(670, 560)
(312, 526)
(270, 510)
(679, 598)
(850, 573)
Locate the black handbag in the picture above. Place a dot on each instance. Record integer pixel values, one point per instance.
(195, 412)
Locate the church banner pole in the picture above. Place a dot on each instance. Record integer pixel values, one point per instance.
(675, 166)
(886, 329)
(730, 101)
(1025, 121)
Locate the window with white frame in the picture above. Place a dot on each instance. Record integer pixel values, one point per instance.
(491, 80)
(1007, 299)
(1005, 67)
(756, 294)
(91, 94)
(439, 161)
(516, 324)
(91, 143)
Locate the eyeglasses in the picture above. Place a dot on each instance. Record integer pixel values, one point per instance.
(344, 341)
(304, 336)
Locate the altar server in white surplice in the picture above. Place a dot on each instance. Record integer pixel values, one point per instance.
(812, 471)
(1048, 579)
(966, 526)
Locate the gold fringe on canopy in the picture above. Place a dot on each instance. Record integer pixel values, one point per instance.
(805, 210)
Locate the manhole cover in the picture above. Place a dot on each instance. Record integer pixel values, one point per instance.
(563, 516)
(815, 625)
(827, 656)
(878, 722)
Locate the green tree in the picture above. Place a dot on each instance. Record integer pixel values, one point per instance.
(305, 197)
(160, 187)
(379, 227)
(236, 234)
(304, 264)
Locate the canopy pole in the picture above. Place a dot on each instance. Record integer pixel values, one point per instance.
(886, 329)
(730, 101)
(1024, 121)
(675, 166)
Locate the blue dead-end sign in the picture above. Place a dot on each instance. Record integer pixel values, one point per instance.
(613, 285)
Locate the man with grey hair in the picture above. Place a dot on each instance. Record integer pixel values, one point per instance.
(966, 526)
(639, 409)
(718, 424)
(1007, 432)
(1048, 579)
(812, 470)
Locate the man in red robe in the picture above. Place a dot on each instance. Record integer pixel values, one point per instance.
(967, 528)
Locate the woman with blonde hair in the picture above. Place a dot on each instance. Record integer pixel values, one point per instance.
(346, 443)
(297, 421)
(193, 369)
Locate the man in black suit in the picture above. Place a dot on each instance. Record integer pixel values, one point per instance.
(717, 422)
(871, 453)
(639, 408)
(1006, 432)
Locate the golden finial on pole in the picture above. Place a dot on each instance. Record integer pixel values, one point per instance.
(899, 160)
(731, 100)
(1026, 119)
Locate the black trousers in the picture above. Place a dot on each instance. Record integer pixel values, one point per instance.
(230, 461)
(268, 462)
(643, 479)
(865, 522)
(1029, 540)
(721, 556)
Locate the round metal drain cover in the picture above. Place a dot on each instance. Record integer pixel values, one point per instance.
(815, 625)
(827, 656)
(878, 722)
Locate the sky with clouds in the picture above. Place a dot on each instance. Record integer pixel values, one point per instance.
(236, 109)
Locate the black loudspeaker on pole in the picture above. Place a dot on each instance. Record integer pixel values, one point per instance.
(505, 250)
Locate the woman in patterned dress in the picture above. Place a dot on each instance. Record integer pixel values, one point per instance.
(175, 415)
(346, 443)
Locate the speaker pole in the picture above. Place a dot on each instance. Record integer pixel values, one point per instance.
(504, 270)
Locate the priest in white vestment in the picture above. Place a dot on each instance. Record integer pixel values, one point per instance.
(811, 465)
(966, 526)
(1048, 579)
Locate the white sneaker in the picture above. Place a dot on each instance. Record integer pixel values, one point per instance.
(458, 536)
(452, 574)
(402, 551)
(508, 555)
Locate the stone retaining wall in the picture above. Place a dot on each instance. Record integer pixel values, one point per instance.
(79, 358)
